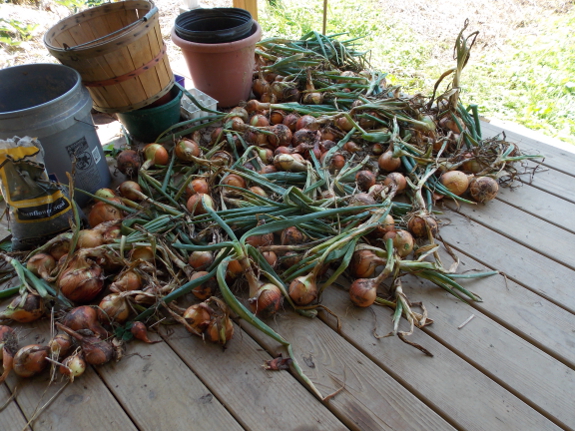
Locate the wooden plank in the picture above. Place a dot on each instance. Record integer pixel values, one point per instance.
(555, 158)
(504, 356)
(541, 204)
(88, 395)
(258, 399)
(446, 382)
(532, 232)
(11, 417)
(155, 375)
(538, 273)
(555, 183)
(371, 398)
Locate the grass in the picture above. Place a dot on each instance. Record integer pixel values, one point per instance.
(531, 81)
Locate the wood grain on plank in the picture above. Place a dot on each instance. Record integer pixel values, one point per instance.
(535, 271)
(258, 399)
(532, 374)
(525, 229)
(161, 393)
(371, 398)
(554, 210)
(11, 418)
(554, 182)
(448, 383)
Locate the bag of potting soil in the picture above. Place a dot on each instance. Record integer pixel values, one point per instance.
(38, 208)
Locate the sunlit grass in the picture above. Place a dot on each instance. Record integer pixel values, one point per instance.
(530, 82)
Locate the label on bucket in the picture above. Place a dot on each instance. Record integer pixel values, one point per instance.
(87, 173)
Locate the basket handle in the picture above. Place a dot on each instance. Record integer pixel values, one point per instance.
(145, 18)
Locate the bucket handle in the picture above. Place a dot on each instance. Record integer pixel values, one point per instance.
(145, 18)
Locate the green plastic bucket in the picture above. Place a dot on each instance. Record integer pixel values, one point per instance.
(147, 124)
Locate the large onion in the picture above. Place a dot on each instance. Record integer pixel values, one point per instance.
(483, 189)
(455, 181)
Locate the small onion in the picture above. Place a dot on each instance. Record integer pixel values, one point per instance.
(198, 316)
(114, 308)
(102, 212)
(198, 185)
(206, 289)
(364, 263)
(140, 332)
(455, 181)
(388, 163)
(292, 236)
(290, 121)
(155, 154)
(41, 265)
(483, 189)
(60, 345)
(73, 366)
(397, 180)
(402, 241)
(303, 289)
(126, 281)
(419, 224)
(200, 260)
(89, 238)
(364, 180)
(82, 284)
(31, 360)
(131, 190)
(84, 317)
(195, 203)
(267, 300)
(363, 292)
(24, 310)
(128, 163)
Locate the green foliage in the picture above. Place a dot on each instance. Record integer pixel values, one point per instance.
(13, 32)
(76, 5)
(530, 82)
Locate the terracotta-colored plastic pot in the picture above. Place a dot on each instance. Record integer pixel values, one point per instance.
(222, 70)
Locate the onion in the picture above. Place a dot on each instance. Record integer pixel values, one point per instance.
(363, 292)
(292, 236)
(206, 289)
(233, 180)
(268, 169)
(455, 181)
(395, 180)
(240, 112)
(60, 345)
(24, 309)
(282, 135)
(266, 301)
(110, 230)
(131, 190)
(290, 121)
(344, 124)
(59, 249)
(471, 164)
(271, 258)
(114, 308)
(260, 86)
(128, 163)
(84, 317)
(304, 136)
(259, 120)
(144, 253)
(419, 224)
(31, 360)
(96, 351)
(126, 281)
(195, 204)
(221, 158)
(290, 163)
(377, 149)
(155, 154)
(258, 191)
(291, 258)
(361, 199)
(81, 282)
(388, 163)
(483, 189)
(198, 317)
(73, 366)
(102, 212)
(351, 147)
(140, 332)
(364, 180)
(200, 260)
(364, 263)
(277, 116)
(235, 269)
(308, 122)
(41, 264)
(219, 330)
(8, 348)
(199, 185)
(303, 289)
(89, 238)
(105, 193)
(402, 241)
(387, 225)
(260, 240)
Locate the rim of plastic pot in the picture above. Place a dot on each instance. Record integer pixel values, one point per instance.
(217, 47)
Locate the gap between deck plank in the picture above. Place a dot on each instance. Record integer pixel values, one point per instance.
(536, 272)
(11, 417)
(260, 400)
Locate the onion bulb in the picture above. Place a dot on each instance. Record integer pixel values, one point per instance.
(60, 345)
(89, 238)
(41, 265)
(397, 180)
(24, 309)
(419, 224)
(126, 281)
(102, 212)
(483, 189)
(364, 263)
(388, 163)
(140, 332)
(187, 150)
(114, 308)
(198, 185)
(128, 163)
(74, 365)
(266, 301)
(292, 236)
(363, 292)
(8, 348)
(155, 154)
(195, 203)
(96, 351)
(31, 360)
(303, 289)
(131, 190)
(220, 330)
(206, 289)
(455, 181)
(81, 283)
(84, 317)
(364, 180)
(200, 260)
(402, 241)
(198, 316)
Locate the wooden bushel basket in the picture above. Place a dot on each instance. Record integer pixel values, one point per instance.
(118, 50)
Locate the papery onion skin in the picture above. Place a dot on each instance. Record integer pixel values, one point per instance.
(84, 317)
(483, 189)
(363, 292)
(303, 290)
(128, 163)
(102, 212)
(198, 317)
(31, 360)
(397, 180)
(267, 300)
(114, 308)
(219, 330)
(89, 238)
(200, 260)
(29, 310)
(82, 285)
(140, 332)
(363, 263)
(155, 154)
(388, 163)
(187, 150)
(74, 365)
(402, 241)
(455, 181)
(206, 289)
(195, 203)
(364, 180)
(60, 345)
(418, 225)
(41, 264)
(126, 281)
(131, 190)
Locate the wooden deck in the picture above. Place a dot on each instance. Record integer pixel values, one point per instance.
(510, 368)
